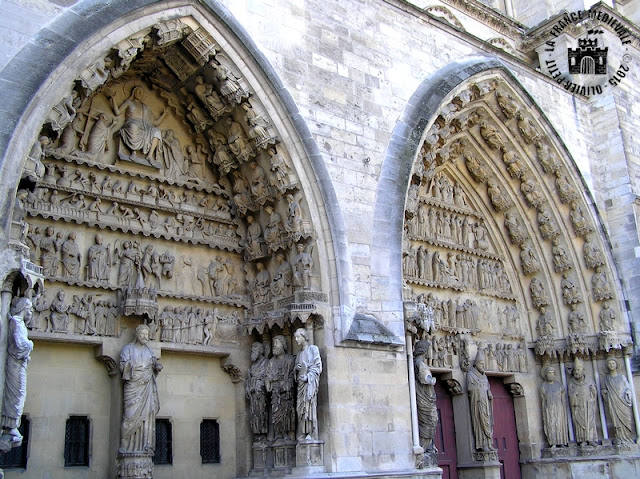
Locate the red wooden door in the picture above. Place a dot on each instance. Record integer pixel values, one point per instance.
(445, 439)
(505, 437)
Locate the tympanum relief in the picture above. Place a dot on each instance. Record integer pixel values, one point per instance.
(163, 190)
(501, 257)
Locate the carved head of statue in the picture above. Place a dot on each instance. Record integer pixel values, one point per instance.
(21, 306)
(279, 345)
(612, 365)
(578, 369)
(301, 337)
(257, 350)
(142, 334)
(549, 374)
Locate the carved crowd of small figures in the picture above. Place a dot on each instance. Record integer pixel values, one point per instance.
(194, 325)
(87, 314)
(505, 357)
(586, 409)
(460, 271)
(135, 264)
(432, 224)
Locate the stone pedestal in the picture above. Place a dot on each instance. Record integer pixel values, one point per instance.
(284, 456)
(485, 466)
(309, 458)
(260, 460)
(134, 466)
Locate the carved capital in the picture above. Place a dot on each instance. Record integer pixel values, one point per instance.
(233, 371)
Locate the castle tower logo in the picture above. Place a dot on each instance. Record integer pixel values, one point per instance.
(587, 51)
(588, 58)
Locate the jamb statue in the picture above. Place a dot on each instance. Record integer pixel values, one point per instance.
(307, 373)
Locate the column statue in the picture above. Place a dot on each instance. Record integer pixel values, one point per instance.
(617, 395)
(582, 398)
(257, 393)
(425, 397)
(554, 409)
(19, 348)
(481, 402)
(307, 373)
(280, 383)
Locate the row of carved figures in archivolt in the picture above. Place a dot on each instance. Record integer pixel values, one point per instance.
(95, 314)
(461, 272)
(428, 314)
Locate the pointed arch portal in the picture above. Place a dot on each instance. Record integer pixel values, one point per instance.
(494, 243)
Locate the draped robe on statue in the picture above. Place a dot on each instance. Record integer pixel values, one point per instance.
(617, 396)
(141, 403)
(481, 409)
(311, 365)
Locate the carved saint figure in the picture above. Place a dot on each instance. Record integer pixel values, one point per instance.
(70, 257)
(280, 383)
(139, 132)
(530, 263)
(254, 241)
(256, 391)
(570, 292)
(601, 286)
(282, 278)
(425, 396)
(481, 403)
(139, 368)
(498, 199)
(49, 247)
(592, 254)
(307, 374)
(59, 319)
(517, 231)
(19, 348)
(560, 258)
(491, 136)
(582, 398)
(303, 264)
(261, 285)
(617, 395)
(554, 409)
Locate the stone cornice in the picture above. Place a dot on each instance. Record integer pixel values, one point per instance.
(489, 16)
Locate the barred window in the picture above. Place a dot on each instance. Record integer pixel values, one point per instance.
(17, 457)
(210, 441)
(164, 452)
(76, 441)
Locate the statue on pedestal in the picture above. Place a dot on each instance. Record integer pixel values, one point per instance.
(307, 373)
(425, 397)
(257, 393)
(139, 368)
(19, 348)
(617, 395)
(481, 402)
(582, 397)
(554, 409)
(280, 383)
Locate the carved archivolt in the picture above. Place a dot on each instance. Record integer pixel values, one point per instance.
(495, 222)
(161, 189)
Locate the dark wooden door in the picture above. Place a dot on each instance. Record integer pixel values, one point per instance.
(505, 437)
(445, 439)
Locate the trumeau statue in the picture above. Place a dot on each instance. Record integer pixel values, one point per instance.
(617, 395)
(554, 409)
(425, 396)
(280, 383)
(307, 374)
(139, 368)
(257, 393)
(582, 398)
(19, 348)
(481, 405)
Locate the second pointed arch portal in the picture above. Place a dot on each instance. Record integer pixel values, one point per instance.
(503, 256)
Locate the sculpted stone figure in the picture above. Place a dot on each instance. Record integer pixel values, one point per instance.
(481, 404)
(99, 261)
(477, 169)
(582, 398)
(517, 231)
(256, 391)
(70, 257)
(425, 396)
(19, 348)
(579, 222)
(303, 264)
(498, 199)
(491, 136)
(280, 383)
(282, 278)
(139, 132)
(49, 247)
(570, 292)
(307, 374)
(59, 319)
(554, 409)
(617, 395)
(560, 259)
(530, 263)
(601, 286)
(592, 254)
(139, 368)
